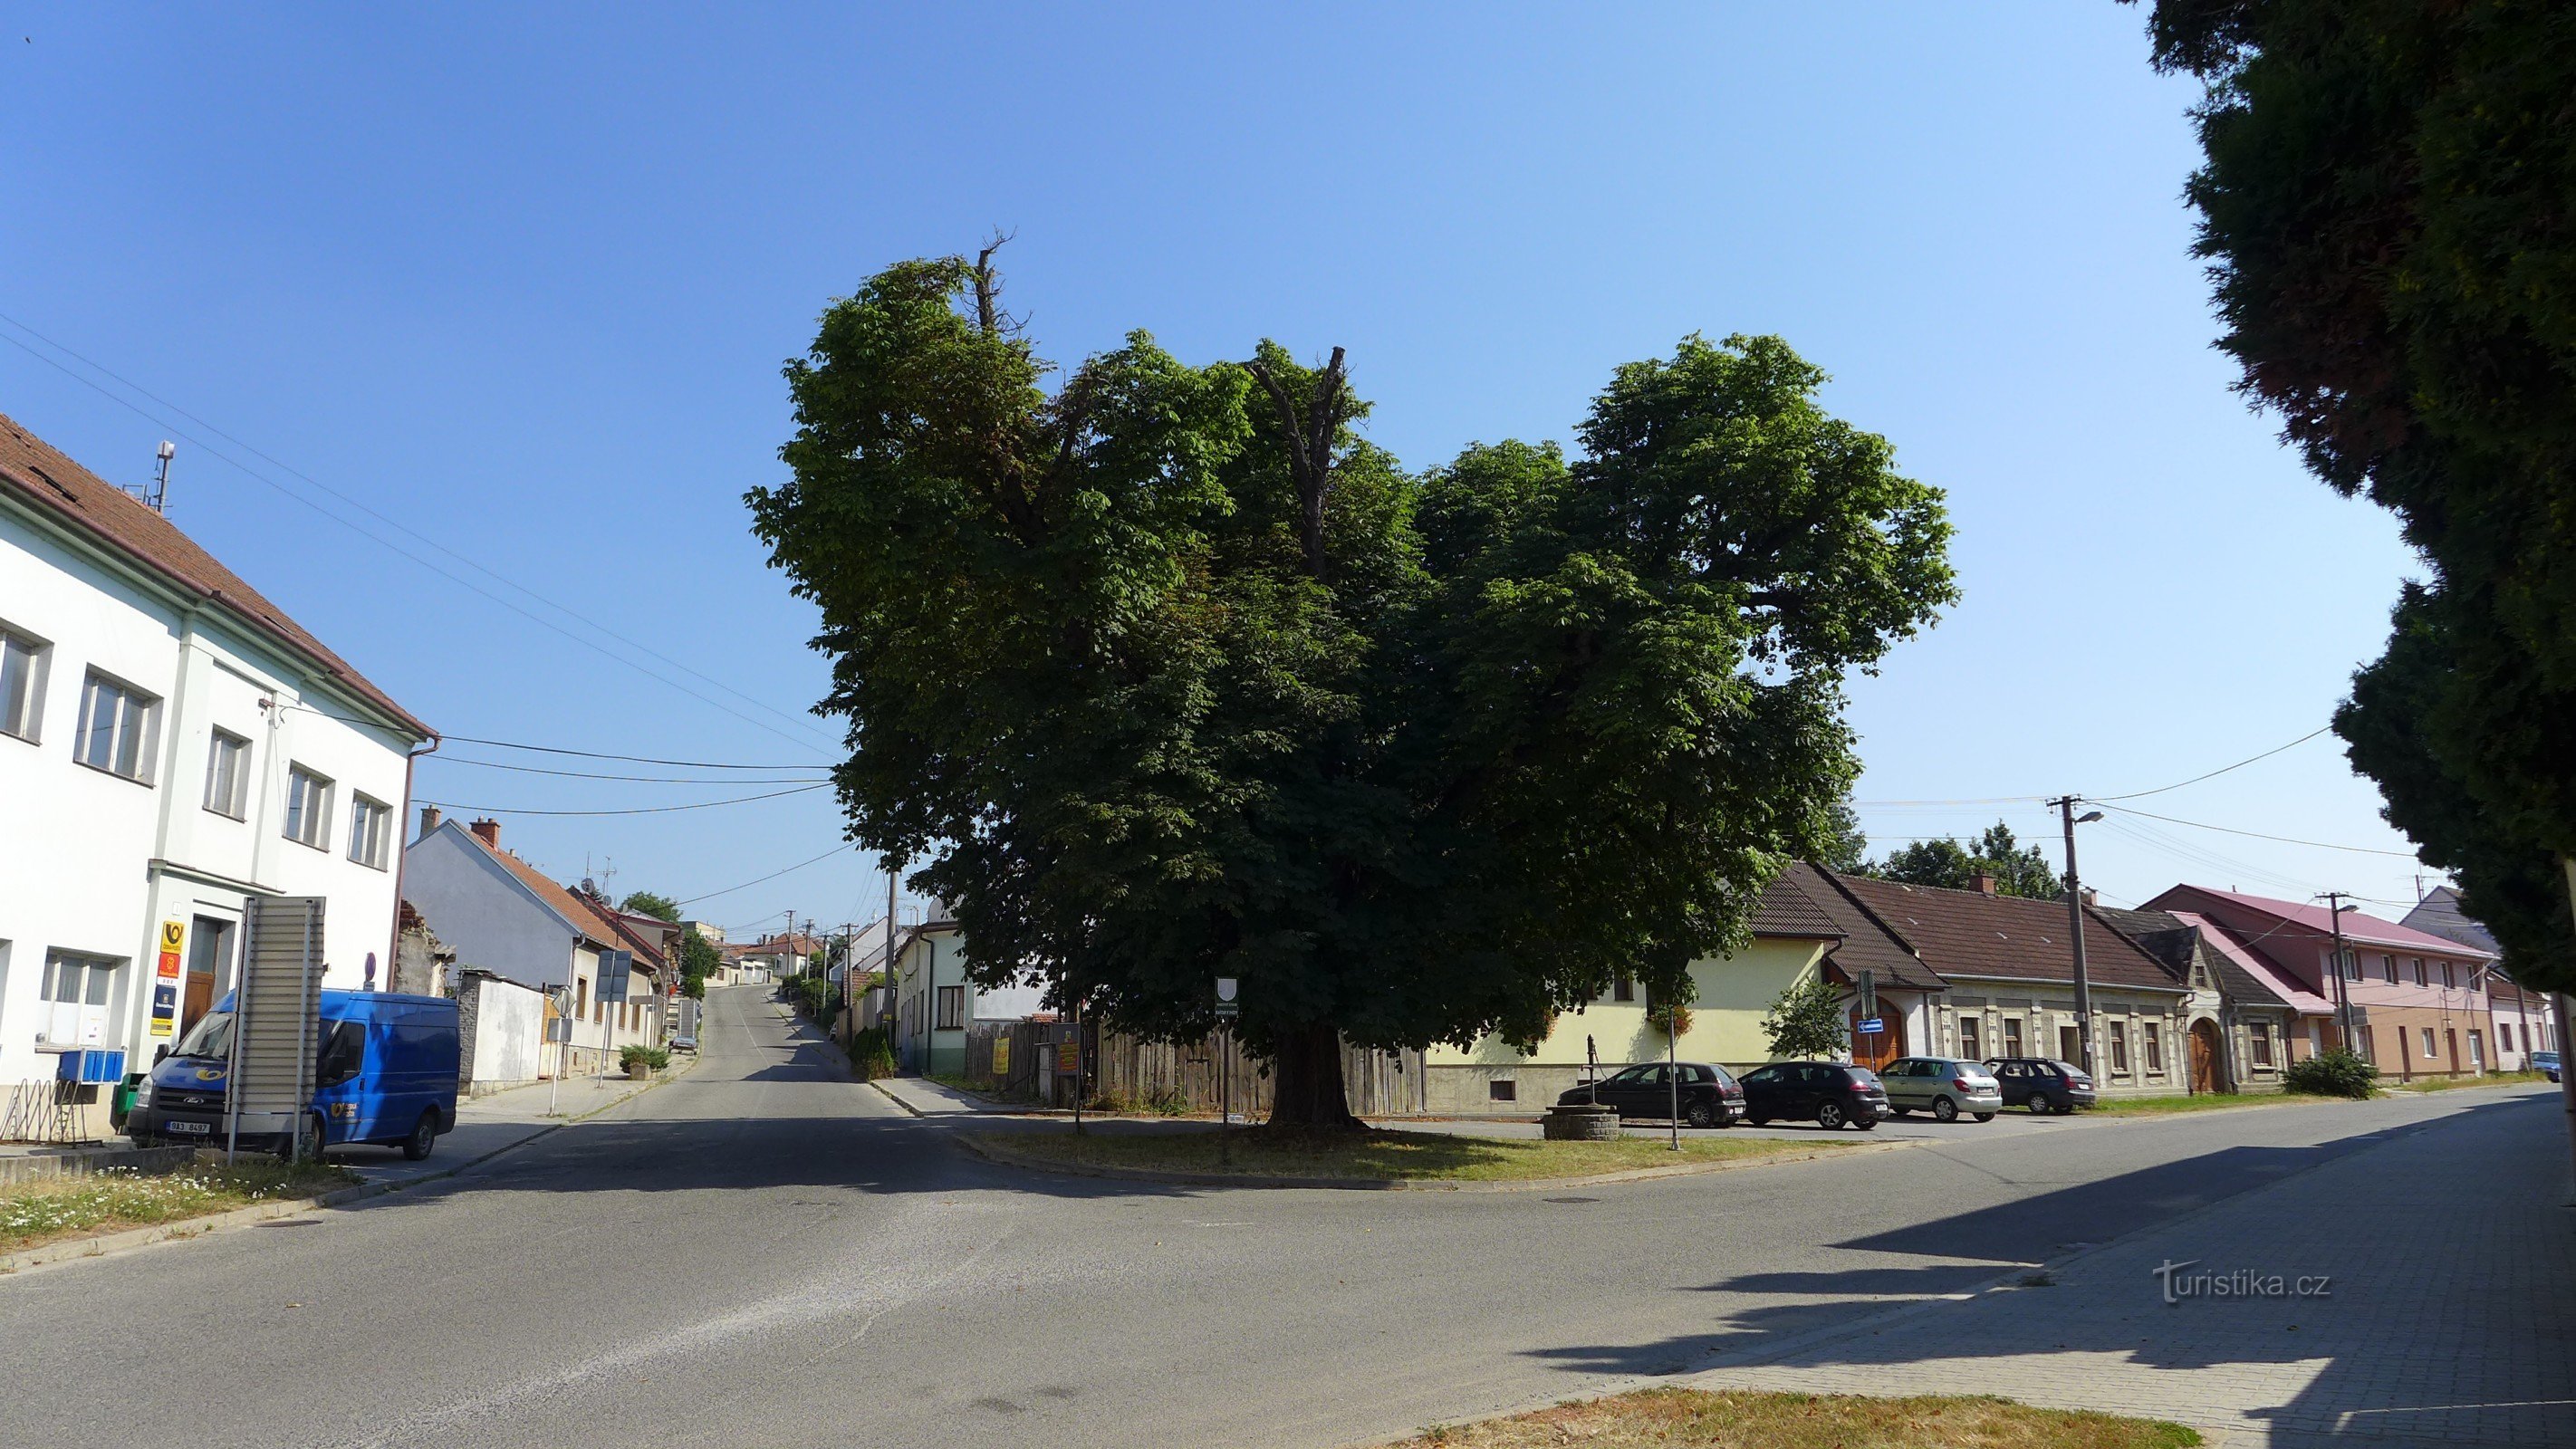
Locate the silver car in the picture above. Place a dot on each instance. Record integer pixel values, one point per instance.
(1942, 1086)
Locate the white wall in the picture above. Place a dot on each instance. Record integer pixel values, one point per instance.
(93, 862)
(509, 1032)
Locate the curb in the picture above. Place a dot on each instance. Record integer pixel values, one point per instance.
(109, 1245)
(1004, 1157)
(898, 1101)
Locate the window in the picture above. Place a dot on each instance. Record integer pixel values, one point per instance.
(228, 776)
(1968, 1039)
(2369, 1044)
(952, 1008)
(2428, 1043)
(2351, 966)
(344, 1050)
(308, 807)
(2477, 1049)
(74, 992)
(2262, 1045)
(22, 684)
(1502, 1089)
(2070, 1043)
(2119, 1047)
(2504, 1036)
(2419, 972)
(2388, 968)
(2155, 1044)
(2448, 980)
(117, 722)
(367, 831)
(1623, 989)
(2012, 1036)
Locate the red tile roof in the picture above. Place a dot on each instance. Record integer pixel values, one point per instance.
(1970, 933)
(33, 471)
(2357, 927)
(1867, 943)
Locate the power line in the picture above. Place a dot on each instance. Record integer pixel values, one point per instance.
(632, 779)
(2259, 835)
(2214, 774)
(629, 759)
(256, 476)
(638, 810)
(773, 875)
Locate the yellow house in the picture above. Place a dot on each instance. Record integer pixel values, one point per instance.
(1795, 935)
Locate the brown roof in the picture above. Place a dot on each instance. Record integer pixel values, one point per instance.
(1787, 910)
(1969, 933)
(33, 471)
(1868, 944)
(596, 925)
(2177, 943)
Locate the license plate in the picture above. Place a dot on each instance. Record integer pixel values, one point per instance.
(198, 1128)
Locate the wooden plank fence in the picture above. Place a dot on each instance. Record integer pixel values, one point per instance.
(1184, 1078)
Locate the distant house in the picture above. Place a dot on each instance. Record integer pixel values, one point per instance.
(505, 917)
(2525, 1021)
(2243, 1018)
(2420, 1002)
(936, 1002)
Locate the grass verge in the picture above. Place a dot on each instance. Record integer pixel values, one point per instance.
(1380, 1155)
(33, 1214)
(2204, 1102)
(1734, 1419)
(2446, 1084)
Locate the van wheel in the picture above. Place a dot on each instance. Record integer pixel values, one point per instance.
(424, 1136)
(1944, 1110)
(310, 1142)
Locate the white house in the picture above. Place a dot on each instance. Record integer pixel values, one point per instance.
(505, 917)
(171, 744)
(936, 1001)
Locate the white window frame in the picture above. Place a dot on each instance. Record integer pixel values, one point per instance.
(38, 654)
(133, 735)
(79, 1021)
(228, 798)
(2429, 1053)
(367, 817)
(303, 824)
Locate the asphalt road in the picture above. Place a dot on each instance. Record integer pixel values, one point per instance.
(763, 1254)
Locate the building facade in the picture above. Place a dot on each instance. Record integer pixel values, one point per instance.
(936, 1001)
(171, 746)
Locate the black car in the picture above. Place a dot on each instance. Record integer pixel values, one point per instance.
(2042, 1084)
(1709, 1097)
(1832, 1093)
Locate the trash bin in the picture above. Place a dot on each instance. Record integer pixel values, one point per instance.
(121, 1102)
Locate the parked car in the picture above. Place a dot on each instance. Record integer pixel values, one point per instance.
(2042, 1084)
(2546, 1062)
(685, 1042)
(1942, 1086)
(1831, 1093)
(1709, 1096)
(385, 1072)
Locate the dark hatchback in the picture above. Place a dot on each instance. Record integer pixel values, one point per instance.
(1708, 1096)
(2042, 1084)
(1828, 1093)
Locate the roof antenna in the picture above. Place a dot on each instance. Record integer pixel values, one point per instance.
(158, 494)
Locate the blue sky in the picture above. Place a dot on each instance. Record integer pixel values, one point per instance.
(523, 286)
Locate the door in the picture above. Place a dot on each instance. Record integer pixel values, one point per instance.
(210, 960)
(2204, 1058)
(1881, 1047)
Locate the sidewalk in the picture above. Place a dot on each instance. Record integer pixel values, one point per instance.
(499, 1122)
(925, 1098)
(2449, 1315)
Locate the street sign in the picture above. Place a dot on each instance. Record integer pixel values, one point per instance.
(165, 991)
(558, 1029)
(1872, 1026)
(1868, 985)
(1226, 1004)
(615, 969)
(1068, 1058)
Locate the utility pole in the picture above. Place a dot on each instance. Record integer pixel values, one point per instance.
(2343, 995)
(2075, 926)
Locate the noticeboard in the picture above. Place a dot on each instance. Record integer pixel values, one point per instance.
(275, 1027)
(616, 970)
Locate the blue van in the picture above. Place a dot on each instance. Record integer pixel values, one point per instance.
(386, 1073)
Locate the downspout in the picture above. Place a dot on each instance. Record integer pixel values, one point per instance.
(402, 859)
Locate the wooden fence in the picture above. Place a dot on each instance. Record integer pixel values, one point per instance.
(1181, 1077)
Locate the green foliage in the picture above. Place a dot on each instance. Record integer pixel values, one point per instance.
(699, 959)
(1840, 844)
(2330, 1074)
(1807, 1021)
(2019, 870)
(1170, 675)
(818, 998)
(646, 903)
(872, 1054)
(2384, 209)
(655, 1057)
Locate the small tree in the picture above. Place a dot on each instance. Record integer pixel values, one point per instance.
(1806, 1021)
(647, 903)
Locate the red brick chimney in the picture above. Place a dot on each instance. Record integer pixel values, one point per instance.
(487, 831)
(1985, 882)
(429, 818)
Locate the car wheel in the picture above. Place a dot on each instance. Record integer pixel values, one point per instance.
(1830, 1116)
(2037, 1104)
(1985, 1116)
(1944, 1110)
(1700, 1114)
(424, 1136)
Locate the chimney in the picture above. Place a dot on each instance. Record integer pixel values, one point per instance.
(487, 831)
(429, 818)
(2092, 897)
(1985, 882)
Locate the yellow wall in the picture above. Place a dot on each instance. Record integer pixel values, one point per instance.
(1735, 993)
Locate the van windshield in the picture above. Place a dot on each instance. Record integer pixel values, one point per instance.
(212, 1036)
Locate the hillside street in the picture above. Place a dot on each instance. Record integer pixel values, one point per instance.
(764, 1253)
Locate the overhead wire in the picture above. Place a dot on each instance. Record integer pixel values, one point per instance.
(2214, 774)
(2259, 835)
(635, 810)
(773, 875)
(630, 779)
(256, 476)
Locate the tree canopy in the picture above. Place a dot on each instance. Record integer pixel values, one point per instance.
(646, 903)
(2383, 206)
(1169, 674)
(2019, 870)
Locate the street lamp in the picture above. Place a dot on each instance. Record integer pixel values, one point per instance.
(2075, 925)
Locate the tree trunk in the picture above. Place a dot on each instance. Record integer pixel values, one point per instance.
(1307, 1082)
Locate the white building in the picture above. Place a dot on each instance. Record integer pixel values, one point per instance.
(171, 744)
